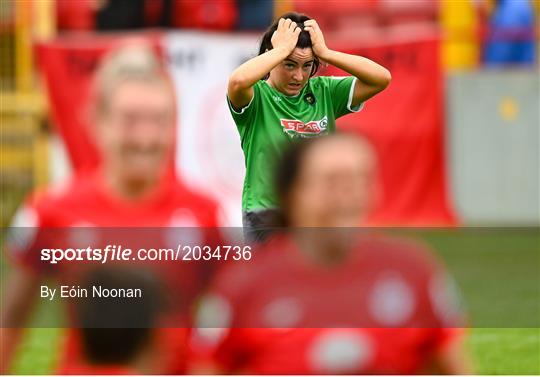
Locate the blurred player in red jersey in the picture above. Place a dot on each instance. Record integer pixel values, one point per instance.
(329, 297)
(134, 115)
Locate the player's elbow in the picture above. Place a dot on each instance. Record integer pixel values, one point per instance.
(385, 79)
(237, 83)
(380, 82)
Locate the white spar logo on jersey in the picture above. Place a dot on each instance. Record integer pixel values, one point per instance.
(313, 128)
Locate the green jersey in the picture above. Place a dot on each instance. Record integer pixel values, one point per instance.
(272, 119)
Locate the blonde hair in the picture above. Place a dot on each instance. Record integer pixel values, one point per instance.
(133, 62)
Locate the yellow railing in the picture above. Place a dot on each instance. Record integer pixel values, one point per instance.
(23, 139)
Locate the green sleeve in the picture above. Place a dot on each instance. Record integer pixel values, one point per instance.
(341, 92)
(245, 117)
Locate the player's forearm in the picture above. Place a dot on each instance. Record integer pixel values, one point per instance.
(365, 70)
(253, 70)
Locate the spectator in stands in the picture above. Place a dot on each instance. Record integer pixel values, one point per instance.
(254, 14)
(76, 15)
(134, 115)
(105, 15)
(328, 297)
(206, 14)
(511, 34)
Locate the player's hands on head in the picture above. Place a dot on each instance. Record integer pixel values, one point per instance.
(317, 39)
(286, 35)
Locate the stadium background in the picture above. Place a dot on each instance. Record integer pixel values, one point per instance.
(459, 140)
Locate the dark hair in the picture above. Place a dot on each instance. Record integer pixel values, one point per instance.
(288, 170)
(290, 164)
(116, 330)
(304, 39)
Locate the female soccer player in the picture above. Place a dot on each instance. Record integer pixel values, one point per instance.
(134, 127)
(275, 99)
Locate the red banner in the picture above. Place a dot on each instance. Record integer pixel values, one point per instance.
(406, 124)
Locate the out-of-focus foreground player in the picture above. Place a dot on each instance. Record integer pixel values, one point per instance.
(118, 350)
(329, 297)
(134, 116)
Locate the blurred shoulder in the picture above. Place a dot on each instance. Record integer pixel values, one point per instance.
(191, 196)
(404, 250)
(65, 193)
(199, 204)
